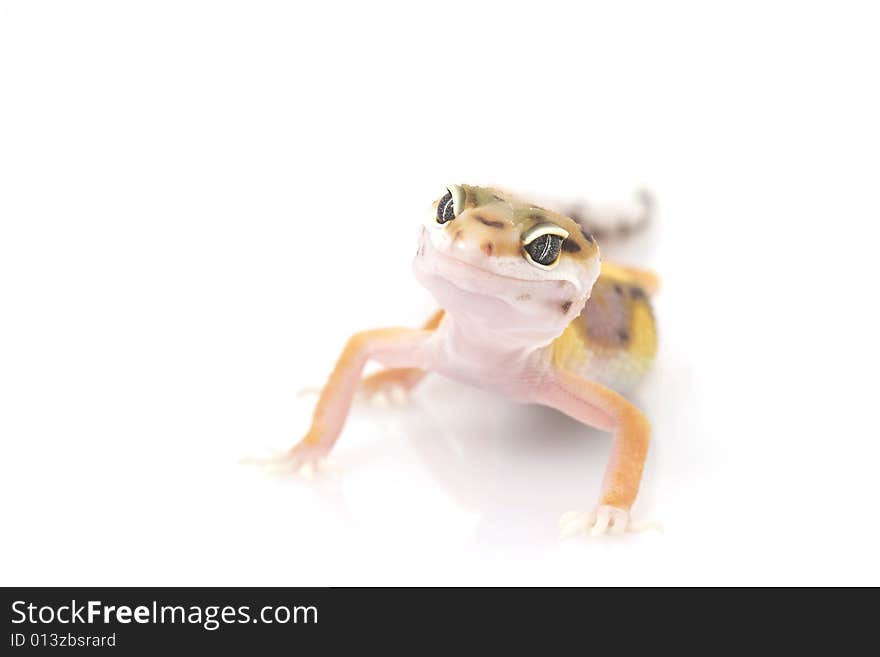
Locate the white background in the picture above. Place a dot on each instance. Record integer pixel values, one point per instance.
(199, 202)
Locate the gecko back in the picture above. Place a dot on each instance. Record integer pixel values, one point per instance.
(614, 339)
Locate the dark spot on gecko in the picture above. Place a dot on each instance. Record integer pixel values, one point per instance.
(565, 307)
(636, 293)
(534, 216)
(570, 247)
(488, 248)
(618, 289)
(497, 198)
(586, 235)
(489, 222)
(623, 335)
(524, 297)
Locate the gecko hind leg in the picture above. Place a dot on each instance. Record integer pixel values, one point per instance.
(394, 385)
(388, 385)
(391, 386)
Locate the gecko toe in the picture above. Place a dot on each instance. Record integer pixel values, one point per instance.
(397, 394)
(380, 399)
(573, 523)
(303, 460)
(605, 520)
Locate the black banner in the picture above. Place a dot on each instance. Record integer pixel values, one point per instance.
(241, 620)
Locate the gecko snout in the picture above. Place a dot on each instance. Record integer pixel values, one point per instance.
(475, 236)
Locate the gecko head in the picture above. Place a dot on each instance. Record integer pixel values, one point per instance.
(488, 256)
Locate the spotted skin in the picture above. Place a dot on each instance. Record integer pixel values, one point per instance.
(614, 339)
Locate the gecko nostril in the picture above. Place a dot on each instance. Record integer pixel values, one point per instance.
(487, 248)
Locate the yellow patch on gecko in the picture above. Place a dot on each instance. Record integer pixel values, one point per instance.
(614, 339)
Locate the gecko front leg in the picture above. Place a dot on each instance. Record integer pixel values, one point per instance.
(601, 407)
(392, 347)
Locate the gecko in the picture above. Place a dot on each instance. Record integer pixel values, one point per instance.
(528, 309)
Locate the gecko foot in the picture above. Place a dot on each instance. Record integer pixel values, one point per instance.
(302, 459)
(391, 386)
(384, 392)
(602, 520)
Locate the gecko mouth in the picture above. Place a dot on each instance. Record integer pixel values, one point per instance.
(477, 291)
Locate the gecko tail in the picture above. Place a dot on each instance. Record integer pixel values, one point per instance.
(613, 222)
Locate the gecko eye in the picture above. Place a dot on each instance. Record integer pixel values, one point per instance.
(450, 204)
(543, 243)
